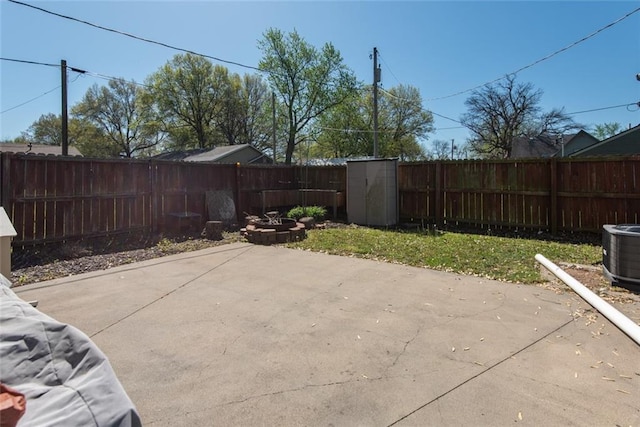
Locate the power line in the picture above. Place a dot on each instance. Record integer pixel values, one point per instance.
(30, 100)
(37, 97)
(388, 68)
(606, 108)
(22, 61)
(134, 36)
(420, 106)
(549, 56)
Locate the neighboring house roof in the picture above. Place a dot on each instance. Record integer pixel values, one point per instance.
(575, 142)
(37, 149)
(340, 161)
(625, 143)
(534, 147)
(551, 145)
(241, 153)
(179, 155)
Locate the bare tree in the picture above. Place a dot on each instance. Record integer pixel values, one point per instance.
(441, 149)
(500, 113)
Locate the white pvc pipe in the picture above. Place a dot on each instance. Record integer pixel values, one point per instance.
(625, 324)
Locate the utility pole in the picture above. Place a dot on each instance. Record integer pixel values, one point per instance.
(273, 119)
(453, 147)
(376, 80)
(65, 118)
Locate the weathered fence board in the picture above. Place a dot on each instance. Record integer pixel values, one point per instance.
(550, 194)
(55, 198)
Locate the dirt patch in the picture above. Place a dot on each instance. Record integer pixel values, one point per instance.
(592, 277)
(37, 264)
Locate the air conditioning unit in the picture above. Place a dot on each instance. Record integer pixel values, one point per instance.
(621, 254)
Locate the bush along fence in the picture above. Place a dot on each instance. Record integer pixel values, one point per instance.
(53, 198)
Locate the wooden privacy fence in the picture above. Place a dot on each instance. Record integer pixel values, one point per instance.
(51, 198)
(548, 194)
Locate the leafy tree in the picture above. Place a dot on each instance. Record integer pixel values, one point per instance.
(500, 113)
(188, 93)
(244, 116)
(119, 110)
(308, 81)
(347, 130)
(404, 122)
(85, 136)
(606, 130)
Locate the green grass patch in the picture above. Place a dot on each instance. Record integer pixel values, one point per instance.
(500, 258)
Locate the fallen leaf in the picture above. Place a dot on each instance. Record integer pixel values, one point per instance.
(622, 391)
(482, 339)
(453, 349)
(624, 376)
(359, 337)
(466, 348)
(520, 416)
(608, 379)
(614, 352)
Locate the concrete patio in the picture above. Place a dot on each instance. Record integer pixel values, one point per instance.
(255, 335)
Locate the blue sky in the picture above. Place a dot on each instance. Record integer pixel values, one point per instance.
(439, 47)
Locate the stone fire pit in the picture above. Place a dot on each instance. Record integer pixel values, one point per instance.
(273, 229)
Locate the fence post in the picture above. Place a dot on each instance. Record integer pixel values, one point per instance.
(439, 196)
(553, 195)
(153, 205)
(236, 190)
(5, 178)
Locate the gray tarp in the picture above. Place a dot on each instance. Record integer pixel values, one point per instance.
(65, 377)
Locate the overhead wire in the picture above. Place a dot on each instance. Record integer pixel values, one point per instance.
(146, 40)
(424, 109)
(30, 100)
(545, 58)
(637, 104)
(23, 61)
(388, 68)
(37, 97)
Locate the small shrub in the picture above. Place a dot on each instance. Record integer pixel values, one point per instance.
(316, 212)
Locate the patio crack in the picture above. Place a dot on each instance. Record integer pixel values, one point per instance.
(404, 349)
(489, 368)
(188, 282)
(290, 390)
